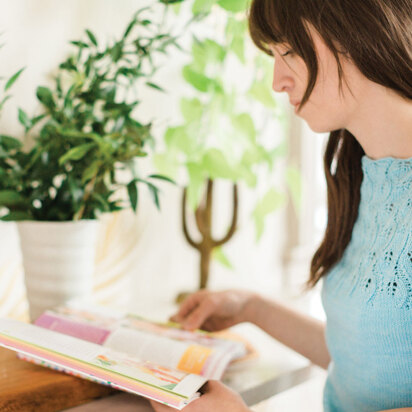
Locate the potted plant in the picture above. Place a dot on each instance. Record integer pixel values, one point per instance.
(218, 137)
(8, 145)
(82, 159)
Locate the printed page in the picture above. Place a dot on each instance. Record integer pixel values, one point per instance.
(173, 331)
(175, 354)
(88, 322)
(74, 327)
(132, 374)
(190, 352)
(184, 386)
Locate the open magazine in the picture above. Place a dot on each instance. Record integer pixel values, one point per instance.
(158, 361)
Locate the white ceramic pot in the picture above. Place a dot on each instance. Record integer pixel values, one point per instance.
(58, 260)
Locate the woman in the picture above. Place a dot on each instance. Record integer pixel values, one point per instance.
(347, 68)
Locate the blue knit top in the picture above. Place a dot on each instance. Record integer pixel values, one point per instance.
(367, 298)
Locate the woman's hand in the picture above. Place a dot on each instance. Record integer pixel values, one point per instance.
(216, 398)
(214, 311)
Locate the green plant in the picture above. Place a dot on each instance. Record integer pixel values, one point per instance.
(89, 138)
(9, 146)
(224, 117)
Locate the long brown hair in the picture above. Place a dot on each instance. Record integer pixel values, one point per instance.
(377, 36)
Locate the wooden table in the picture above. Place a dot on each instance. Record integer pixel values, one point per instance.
(25, 387)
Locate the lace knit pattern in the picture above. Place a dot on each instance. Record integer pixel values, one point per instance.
(367, 297)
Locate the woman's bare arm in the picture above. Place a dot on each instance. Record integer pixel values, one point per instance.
(304, 334)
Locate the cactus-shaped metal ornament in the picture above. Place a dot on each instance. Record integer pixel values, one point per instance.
(203, 217)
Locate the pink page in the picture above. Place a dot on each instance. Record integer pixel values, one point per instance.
(85, 331)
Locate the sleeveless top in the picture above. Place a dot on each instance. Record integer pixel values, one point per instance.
(367, 297)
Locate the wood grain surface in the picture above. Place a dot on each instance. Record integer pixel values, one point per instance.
(25, 387)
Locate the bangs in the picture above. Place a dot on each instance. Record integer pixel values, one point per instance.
(268, 24)
(273, 22)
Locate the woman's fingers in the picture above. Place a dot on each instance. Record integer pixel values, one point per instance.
(185, 308)
(200, 313)
(188, 305)
(210, 310)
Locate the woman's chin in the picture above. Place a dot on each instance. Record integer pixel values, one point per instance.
(320, 127)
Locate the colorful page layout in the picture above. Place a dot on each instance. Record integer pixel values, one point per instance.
(193, 352)
(124, 372)
(198, 337)
(165, 344)
(74, 327)
(180, 355)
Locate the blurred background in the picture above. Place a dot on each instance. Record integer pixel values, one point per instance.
(143, 259)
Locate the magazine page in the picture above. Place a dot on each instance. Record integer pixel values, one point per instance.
(166, 344)
(90, 323)
(192, 352)
(99, 363)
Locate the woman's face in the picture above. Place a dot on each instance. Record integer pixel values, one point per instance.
(329, 107)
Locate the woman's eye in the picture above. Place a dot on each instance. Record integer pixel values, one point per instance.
(287, 53)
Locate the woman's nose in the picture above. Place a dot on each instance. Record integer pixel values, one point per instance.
(282, 79)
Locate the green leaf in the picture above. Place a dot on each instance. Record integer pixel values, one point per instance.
(238, 47)
(202, 6)
(198, 80)
(17, 215)
(220, 257)
(192, 109)
(217, 166)
(166, 163)
(80, 44)
(68, 99)
(171, 1)
(196, 184)
(236, 27)
(76, 153)
(25, 120)
(245, 125)
(45, 96)
(104, 204)
(206, 52)
(129, 28)
(92, 37)
(10, 198)
(9, 142)
(262, 93)
(233, 5)
(133, 194)
(4, 101)
(214, 50)
(155, 86)
(177, 138)
(37, 119)
(155, 194)
(270, 202)
(161, 177)
(117, 51)
(91, 171)
(75, 134)
(236, 32)
(12, 79)
(294, 181)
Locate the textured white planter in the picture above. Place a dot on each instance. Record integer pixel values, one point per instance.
(58, 260)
